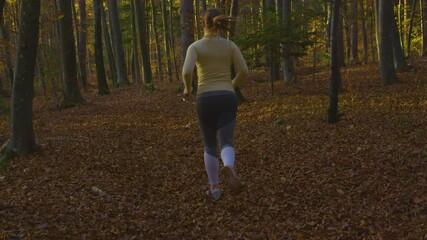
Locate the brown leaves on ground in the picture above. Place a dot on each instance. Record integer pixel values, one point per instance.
(127, 166)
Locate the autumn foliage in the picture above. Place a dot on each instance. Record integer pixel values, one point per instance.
(129, 166)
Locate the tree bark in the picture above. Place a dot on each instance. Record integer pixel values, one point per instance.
(411, 25)
(335, 75)
(364, 33)
(398, 54)
(187, 29)
(109, 48)
(156, 39)
(72, 95)
(22, 140)
(99, 56)
(166, 40)
(4, 36)
(122, 78)
(83, 42)
(135, 63)
(142, 30)
(354, 11)
(288, 64)
(424, 27)
(385, 13)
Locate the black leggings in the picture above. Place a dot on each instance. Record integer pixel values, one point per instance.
(217, 118)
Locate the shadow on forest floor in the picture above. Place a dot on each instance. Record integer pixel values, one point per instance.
(127, 166)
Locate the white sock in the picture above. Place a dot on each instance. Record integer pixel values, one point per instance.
(228, 155)
(212, 168)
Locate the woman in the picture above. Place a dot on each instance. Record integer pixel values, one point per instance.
(216, 100)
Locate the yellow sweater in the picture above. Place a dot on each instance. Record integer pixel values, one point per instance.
(214, 56)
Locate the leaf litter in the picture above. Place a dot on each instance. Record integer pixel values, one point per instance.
(129, 166)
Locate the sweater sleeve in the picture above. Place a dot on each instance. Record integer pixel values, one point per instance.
(188, 68)
(240, 65)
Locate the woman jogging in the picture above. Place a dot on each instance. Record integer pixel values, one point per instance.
(216, 101)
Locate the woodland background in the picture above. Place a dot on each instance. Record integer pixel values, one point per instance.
(100, 142)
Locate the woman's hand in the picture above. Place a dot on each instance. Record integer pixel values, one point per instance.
(187, 91)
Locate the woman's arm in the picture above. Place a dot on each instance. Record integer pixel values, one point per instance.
(240, 64)
(188, 68)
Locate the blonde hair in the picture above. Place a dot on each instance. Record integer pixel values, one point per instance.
(214, 20)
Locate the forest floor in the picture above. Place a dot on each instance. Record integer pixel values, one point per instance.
(129, 166)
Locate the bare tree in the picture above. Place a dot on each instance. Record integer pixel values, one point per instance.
(335, 75)
(99, 56)
(424, 26)
(22, 140)
(385, 14)
(187, 29)
(122, 78)
(83, 42)
(142, 30)
(72, 95)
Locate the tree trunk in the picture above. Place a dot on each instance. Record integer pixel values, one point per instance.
(122, 78)
(347, 32)
(135, 57)
(335, 76)
(398, 54)
(4, 37)
(166, 40)
(411, 25)
(142, 30)
(364, 33)
(172, 41)
(99, 56)
(83, 42)
(204, 7)
(156, 39)
(354, 32)
(288, 63)
(108, 47)
(271, 49)
(2, 30)
(424, 27)
(340, 41)
(72, 95)
(187, 29)
(234, 12)
(22, 140)
(385, 13)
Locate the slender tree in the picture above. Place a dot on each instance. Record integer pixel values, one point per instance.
(143, 39)
(411, 25)
(83, 42)
(335, 75)
(4, 36)
(99, 56)
(122, 78)
(364, 33)
(166, 40)
(187, 29)
(108, 47)
(288, 63)
(354, 11)
(398, 54)
(424, 26)
(156, 39)
(385, 13)
(72, 95)
(135, 56)
(22, 140)
(2, 30)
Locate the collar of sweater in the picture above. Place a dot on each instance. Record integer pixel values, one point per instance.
(211, 34)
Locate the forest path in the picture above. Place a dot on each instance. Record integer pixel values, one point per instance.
(364, 176)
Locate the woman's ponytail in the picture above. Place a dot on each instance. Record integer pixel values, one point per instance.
(213, 19)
